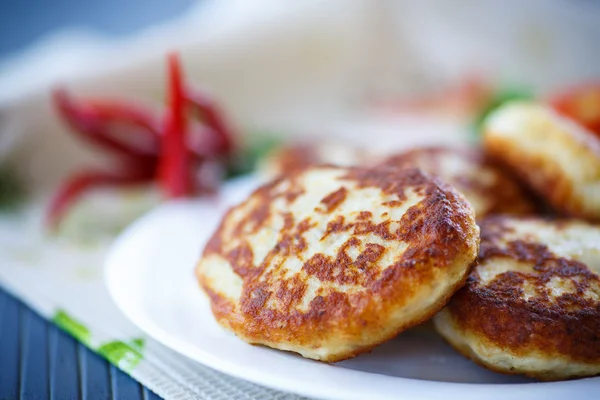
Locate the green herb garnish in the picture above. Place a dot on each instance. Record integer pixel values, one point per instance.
(498, 99)
(245, 160)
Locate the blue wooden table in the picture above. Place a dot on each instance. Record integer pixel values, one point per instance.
(39, 361)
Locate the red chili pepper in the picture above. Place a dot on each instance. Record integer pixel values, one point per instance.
(201, 141)
(172, 152)
(582, 104)
(77, 185)
(128, 129)
(111, 125)
(212, 116)
(174, 168)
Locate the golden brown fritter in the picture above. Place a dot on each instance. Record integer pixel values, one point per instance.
(559, 159)
(532, 305)
(329, 262)
(488, 188)
(296, 156)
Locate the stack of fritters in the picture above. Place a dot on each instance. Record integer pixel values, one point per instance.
(489, 188)
(532, 304)
(330, 261)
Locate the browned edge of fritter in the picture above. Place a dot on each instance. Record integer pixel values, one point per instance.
(569, 326)
(437, 230)
(510, 195)
(551, 185)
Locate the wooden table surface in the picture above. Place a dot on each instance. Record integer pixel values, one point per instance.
(39, 361)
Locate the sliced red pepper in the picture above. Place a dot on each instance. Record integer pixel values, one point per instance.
(202, 142)
(209, 113)
(98, 121)
(77, 185)
(129, 130)
(582, 104)
(179, 154)
(175, 177)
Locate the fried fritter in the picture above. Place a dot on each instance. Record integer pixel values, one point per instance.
(532, 304)
(558, 158)
(329, 262)
(488, 188)
(295, 156)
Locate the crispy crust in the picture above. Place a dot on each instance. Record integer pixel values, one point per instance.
(486, 185)
(338, 305)
(444, 325)
(503, 318)
(558, 159)
(292, 158)
(425, 316)
(547, 179)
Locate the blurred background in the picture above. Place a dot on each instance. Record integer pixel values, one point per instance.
(22, 23)
(351, 69)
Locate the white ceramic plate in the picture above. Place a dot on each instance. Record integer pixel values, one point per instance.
(150, 276)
